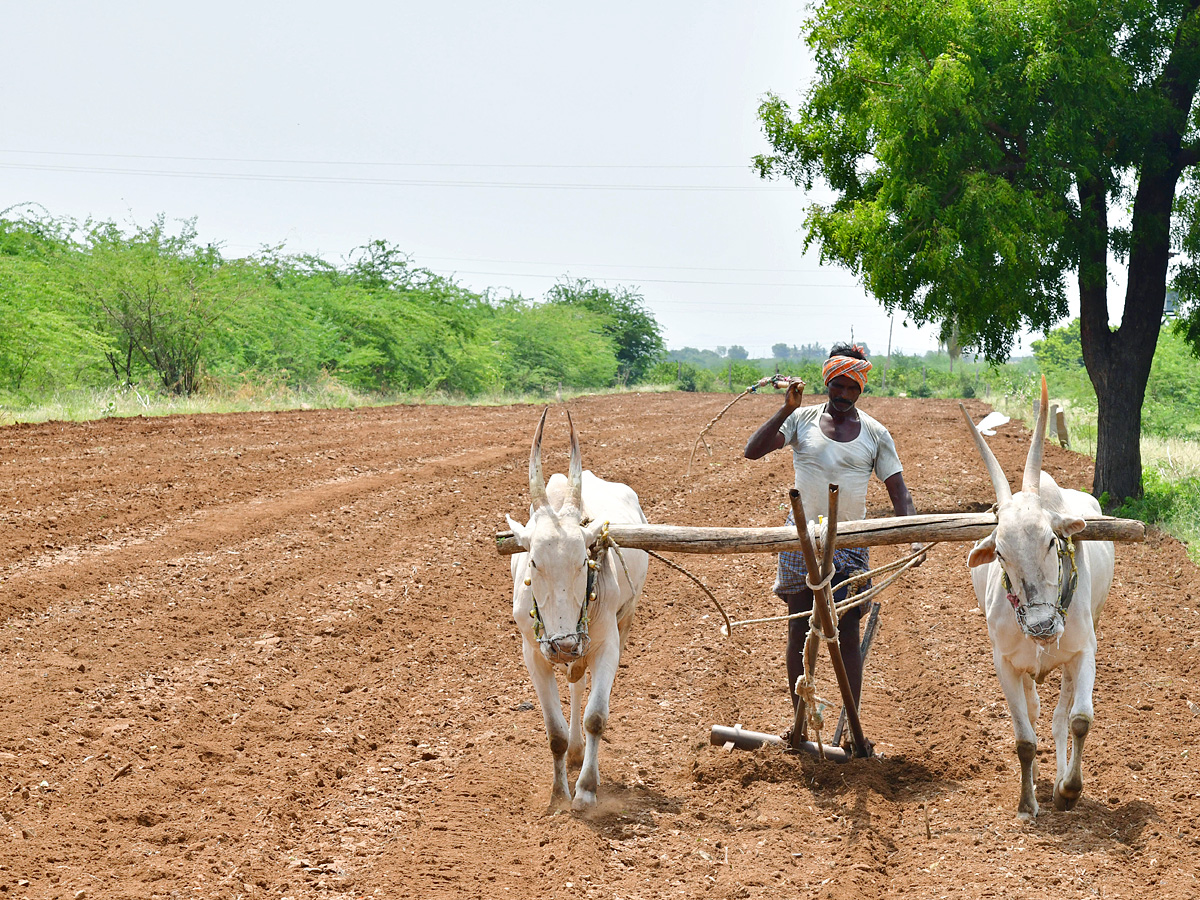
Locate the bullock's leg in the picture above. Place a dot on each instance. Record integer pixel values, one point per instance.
(1016, 691)
(1033, 703)
(603, 673)
(541, 673)
(1062, 739)
(1068, 784)
(575, 733)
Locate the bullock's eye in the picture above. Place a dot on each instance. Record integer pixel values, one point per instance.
(532, 564)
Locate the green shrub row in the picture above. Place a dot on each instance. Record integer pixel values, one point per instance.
(91, 305)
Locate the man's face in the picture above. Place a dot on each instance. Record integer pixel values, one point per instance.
(843, 393)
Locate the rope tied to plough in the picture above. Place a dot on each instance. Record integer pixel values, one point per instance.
(893, 569)
(805, 688)
(775, 381)
(605, 541)
(727, 628)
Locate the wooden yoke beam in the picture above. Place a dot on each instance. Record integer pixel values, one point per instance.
(863, 533)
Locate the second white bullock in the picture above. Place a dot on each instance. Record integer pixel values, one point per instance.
(1042, 595)
(573, 601)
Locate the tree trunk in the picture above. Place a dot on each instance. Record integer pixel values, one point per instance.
(1118, 362)
(1118, 448)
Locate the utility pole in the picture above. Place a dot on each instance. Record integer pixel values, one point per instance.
(888, 362)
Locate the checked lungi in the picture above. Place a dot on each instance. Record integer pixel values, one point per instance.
(847, 562)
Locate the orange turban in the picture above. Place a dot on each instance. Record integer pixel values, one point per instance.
(848, 366)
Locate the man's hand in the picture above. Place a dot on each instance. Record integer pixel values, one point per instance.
(769, 437)
(795, 395)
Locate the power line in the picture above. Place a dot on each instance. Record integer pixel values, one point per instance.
(792, 284)
(528, 262)
(330, 162)
(388, 182)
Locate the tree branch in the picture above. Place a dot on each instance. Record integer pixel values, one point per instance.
(1188, 155)
(866, 80)
(1005, 135)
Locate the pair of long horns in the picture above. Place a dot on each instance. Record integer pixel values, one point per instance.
(537, 483)
(1032, 479)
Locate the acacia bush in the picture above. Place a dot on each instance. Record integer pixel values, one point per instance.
(94, 305)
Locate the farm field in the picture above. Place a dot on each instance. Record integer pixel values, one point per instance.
(272, 655)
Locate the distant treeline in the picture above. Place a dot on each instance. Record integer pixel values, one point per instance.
(728, 368)
(89, 304)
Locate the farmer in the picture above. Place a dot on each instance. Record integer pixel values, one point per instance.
(832, 443)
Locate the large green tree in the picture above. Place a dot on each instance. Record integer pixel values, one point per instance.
(982, 152)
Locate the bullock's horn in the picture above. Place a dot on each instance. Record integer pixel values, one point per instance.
(537, 483)
(1033, 465)
(575, 472)
(999, 482)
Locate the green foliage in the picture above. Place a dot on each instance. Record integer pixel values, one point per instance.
(1170, 503)
(1061, 348)
(685, 376)
(94, 305)
(1172, 390)
(806, 352)
(45, 333)
(978, 152)
(1172, 407)
(544, 345)
(953, 135)
(632, 329)
(704, 359)
(160, 296)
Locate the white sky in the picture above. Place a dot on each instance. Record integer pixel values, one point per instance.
(504, 144)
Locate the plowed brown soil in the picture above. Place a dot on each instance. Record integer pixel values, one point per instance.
(272, 655)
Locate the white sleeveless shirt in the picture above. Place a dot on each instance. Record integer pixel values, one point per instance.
(820, 461)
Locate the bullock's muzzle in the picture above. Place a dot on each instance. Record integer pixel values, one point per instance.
(563, 649)
(1042, 622)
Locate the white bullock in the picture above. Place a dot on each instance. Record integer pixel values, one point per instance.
(1042, 595)
(573, 601)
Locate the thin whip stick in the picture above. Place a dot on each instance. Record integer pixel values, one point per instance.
(773, 380)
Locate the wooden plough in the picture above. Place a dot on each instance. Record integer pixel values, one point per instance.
(861, 533)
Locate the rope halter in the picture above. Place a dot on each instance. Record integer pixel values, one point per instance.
(596, 555)
(1068, 580)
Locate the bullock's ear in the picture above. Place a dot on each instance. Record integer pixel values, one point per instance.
(521, 532)
(592, 530)
(1065, 526)
(983, 552)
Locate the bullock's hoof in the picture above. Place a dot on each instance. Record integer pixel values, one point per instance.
(1065, 798)
(559, 802)
(584, 801)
